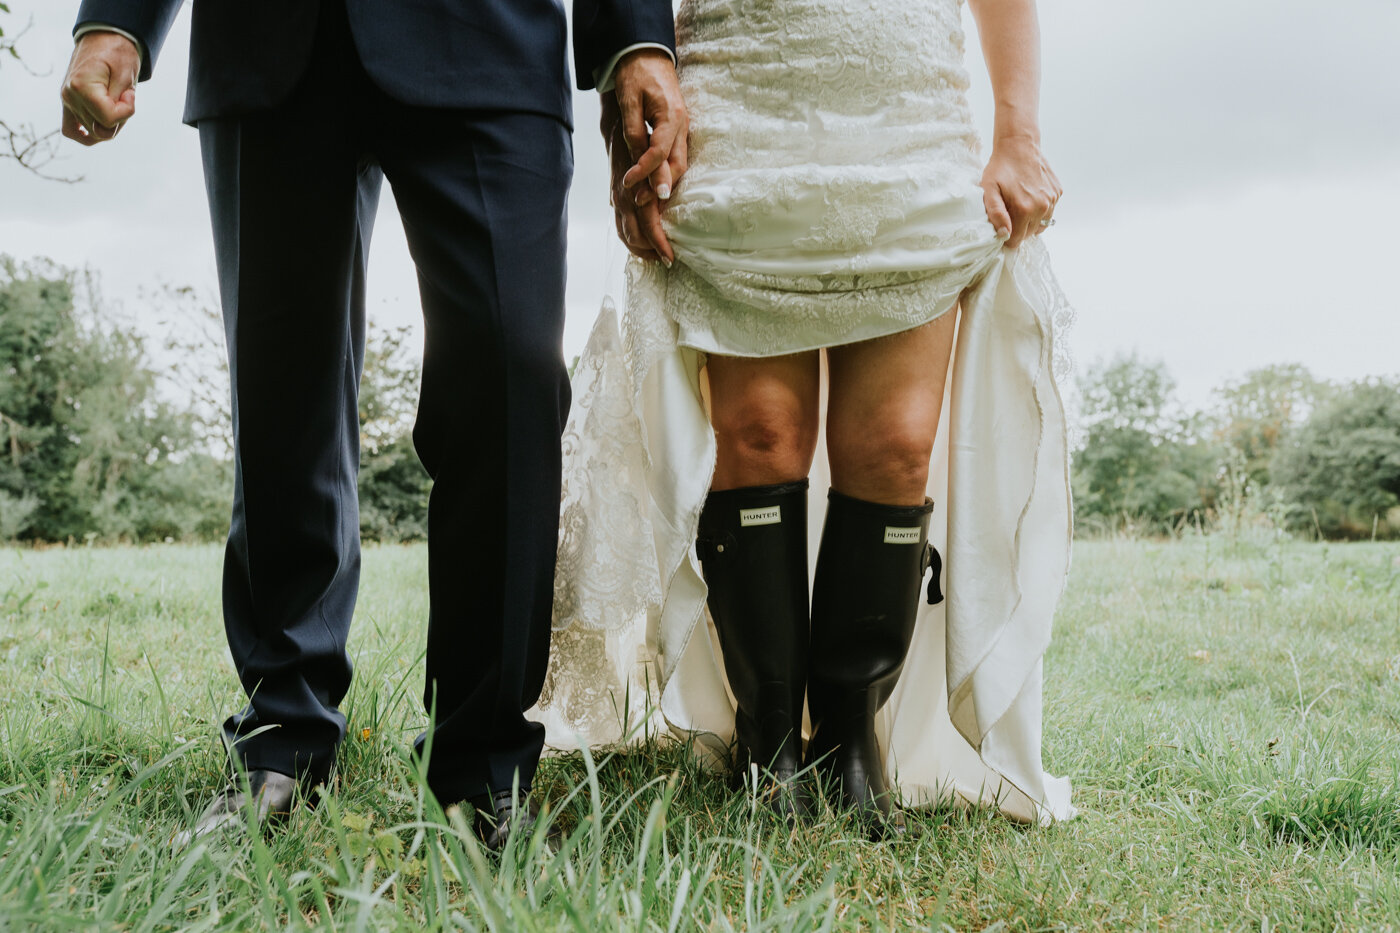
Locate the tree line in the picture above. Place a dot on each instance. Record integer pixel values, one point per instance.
(100, 442)
(1276, 448)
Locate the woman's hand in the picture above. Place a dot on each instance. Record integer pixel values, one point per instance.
(639, 226)
(1019, 189)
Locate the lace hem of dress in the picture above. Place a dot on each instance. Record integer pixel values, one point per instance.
(613, 566)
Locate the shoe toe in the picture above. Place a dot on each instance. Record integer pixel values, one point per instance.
(271, 796)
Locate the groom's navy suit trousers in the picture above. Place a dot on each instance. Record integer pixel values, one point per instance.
(293, 179)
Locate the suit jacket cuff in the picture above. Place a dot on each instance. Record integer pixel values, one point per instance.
(146, 21)
(603, 77)
(601, 27)
(85, 28)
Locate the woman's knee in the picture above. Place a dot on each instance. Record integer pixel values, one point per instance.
(884, 459)
(760, 442)
(764, 413)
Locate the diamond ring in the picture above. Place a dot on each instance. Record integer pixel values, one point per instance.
(1048, 223)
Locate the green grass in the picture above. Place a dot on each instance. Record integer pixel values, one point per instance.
(1229, 713)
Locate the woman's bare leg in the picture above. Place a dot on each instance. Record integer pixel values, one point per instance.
(881, 421)
(882, 416)
(765, 417)
(752, 545)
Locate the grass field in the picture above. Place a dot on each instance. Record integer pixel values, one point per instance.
(1228, 711)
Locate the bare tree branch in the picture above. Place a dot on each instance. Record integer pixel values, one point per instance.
(22, 143)
(33, 151)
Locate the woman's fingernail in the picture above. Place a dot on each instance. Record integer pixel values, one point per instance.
(1003, 231)
(663, 192)
(668, 263)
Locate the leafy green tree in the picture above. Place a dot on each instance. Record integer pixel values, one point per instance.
(98, 444)
(1143, 462)
(1341, 471)
(393, 494)
(1257, 412)
(92, 451)
(198, 372)
(393, 484)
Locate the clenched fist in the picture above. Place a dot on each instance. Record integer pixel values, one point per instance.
(99, 91)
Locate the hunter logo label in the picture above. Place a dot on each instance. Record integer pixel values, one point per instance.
(901, 535)
(771, 515)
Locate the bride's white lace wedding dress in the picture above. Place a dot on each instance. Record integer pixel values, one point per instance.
(832, 197)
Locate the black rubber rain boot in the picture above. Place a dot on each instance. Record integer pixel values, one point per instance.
(753, 552)
(865, 599)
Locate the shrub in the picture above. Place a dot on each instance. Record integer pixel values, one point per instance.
(1341, 473)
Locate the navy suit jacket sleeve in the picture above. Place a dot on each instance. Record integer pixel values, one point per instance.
(602, 28)
(148, 20)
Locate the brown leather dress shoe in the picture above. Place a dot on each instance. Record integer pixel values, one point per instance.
(267, 797)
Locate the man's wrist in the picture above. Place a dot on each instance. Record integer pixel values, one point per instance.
(604, 78)
(89, 28)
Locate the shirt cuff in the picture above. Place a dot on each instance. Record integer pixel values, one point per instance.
(86, 28)
(603, 77)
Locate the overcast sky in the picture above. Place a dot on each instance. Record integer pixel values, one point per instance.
(1231, 167)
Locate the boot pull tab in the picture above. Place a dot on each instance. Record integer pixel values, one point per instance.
(935, 562)
(720, 546)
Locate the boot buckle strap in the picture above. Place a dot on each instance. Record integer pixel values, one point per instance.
(933, 561)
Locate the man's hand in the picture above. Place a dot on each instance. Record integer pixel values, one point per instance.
(99, 91)
(653, 124)
(639, 227)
